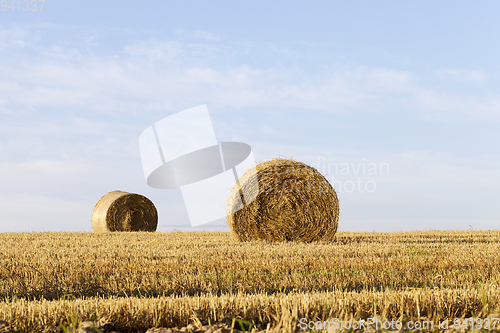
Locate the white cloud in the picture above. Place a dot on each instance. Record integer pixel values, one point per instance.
(43, 213)
(171, 75)
(197, 34)
(463, 75)
(62, 178)
(155, 50)
(13, 37)
(70, 121)
(442, 105)
(411, 185)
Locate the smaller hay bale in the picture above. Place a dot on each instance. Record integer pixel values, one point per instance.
(123, 211)
(293, 202)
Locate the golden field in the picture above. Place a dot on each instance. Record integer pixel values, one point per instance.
(142, 280)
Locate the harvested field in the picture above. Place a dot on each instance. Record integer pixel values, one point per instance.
(137, 281)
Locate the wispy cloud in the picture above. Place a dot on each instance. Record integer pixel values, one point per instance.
(70, 117)
(463, 75)
(28, 213)
(197, 35)
(155, 50)
(164, 74)
(438, 105)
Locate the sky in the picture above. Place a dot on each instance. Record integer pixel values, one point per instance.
(396, 103)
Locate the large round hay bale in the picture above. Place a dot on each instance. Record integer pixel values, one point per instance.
(123, 211)
(294, 203)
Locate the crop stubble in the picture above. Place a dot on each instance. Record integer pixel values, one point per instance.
(163, 278)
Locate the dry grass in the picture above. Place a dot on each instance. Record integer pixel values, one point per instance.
(140, 280)
(281, 311)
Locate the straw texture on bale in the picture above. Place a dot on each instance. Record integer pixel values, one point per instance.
(294, 203)
(123, 211)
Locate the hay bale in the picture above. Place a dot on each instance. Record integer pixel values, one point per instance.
(294, 203)
(123, 211)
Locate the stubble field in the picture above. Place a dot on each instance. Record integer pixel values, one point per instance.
(137, 281)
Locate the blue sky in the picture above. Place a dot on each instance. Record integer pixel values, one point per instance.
(409, 91)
